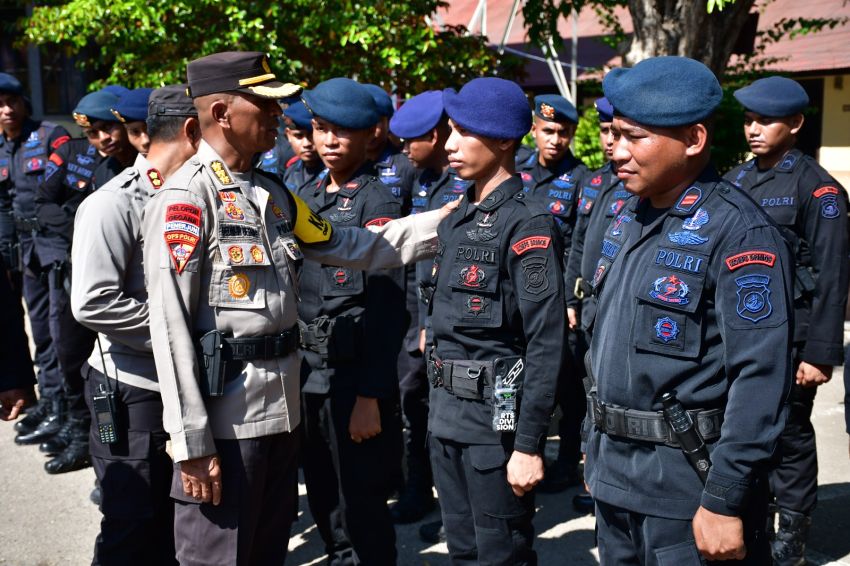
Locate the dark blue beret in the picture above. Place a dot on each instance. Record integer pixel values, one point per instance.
(95, 106)
(10, 85)
(299, 115)
(555, 108)
(773, 96)
(605, 110)
(117, 90)
(133, 106)
(343, 102)
(419, 115)
(491, 107)
(664, 91)
(382, 100)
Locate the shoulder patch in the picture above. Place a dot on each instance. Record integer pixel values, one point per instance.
(829, 190)
(58, 142)
(154, 177)
(378, 222)
(182, 232)
(689, 198)
(531, 243)
(752, 257)
(56, 158)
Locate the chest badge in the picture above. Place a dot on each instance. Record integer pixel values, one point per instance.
(670, 289)
(239, 286)
(472, 277)
(666, 329)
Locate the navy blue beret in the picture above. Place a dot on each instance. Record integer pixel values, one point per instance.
(299, 115)
(95, 106)
(10, 85)
(117, 90)
(605, 110)
(382, 100)
(664, 91)
(419, 115)
(491, 107)
(133, 106)
(343, 102)
(555, 108)
(773, 96)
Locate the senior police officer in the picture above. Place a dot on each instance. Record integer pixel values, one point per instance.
(305, 168)
(109, 297)
(132, 111)
(497, 315)
(221, 261)
(26, 146)
(694, 303)
(423, 126)
(811, 207)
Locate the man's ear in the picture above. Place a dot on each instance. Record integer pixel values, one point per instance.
(192, 131)
(797, 123)
(695, 139)
(219, 110)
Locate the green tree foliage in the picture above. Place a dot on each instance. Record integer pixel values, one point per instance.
(149, 42)
(586, 142)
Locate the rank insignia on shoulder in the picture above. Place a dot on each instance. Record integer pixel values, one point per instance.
(666, 329)
(531, 243)
(351, 185)
(689, 199)
(670, 289)
(596, 181)
(788, 163)
(754, 297)
(753, 257)
(221, 172)
(155, 178)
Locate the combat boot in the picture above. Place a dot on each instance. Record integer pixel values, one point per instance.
(789, 545)
(47, 427)
(33, 417)
(76, 456)
(61, 440)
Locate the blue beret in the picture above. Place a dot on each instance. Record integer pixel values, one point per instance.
(773, 96)
(343, 102)
(490, 107)
(555, 108)
(382, 100)
(133, 106)
(95, 106)
(419, 115)
(664, 91)
(10, 85)
(117, 90)
(605, 110)
(299, 115)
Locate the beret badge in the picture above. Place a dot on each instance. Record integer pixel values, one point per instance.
(547, 111)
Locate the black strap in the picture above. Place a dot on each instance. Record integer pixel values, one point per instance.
(262, 347)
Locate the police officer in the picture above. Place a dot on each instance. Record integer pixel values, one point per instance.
(694, 302)
(394, 169)
(423, 126)
(221, 261)
(497, 315)
(113, 138)
(305, 168)
(355, 322)
(132, 110)
(109, 297)
(811, 207)
(68, 180)
(552, 177)
(26, 146)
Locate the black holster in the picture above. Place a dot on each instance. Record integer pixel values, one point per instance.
(337, 340)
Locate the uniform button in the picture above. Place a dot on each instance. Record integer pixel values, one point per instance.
(519, 196)
(724, 189)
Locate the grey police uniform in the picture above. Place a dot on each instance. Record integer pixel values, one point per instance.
(108, 296)
(221, 255)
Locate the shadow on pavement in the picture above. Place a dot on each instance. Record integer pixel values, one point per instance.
(828, 535)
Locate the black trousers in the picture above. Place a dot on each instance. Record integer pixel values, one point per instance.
(135, 479)
(348, 484)
(626, 538)
(485, 522)
(571, 399)
(36, 293)
(251, 525)
(414, 391)
(794, 481)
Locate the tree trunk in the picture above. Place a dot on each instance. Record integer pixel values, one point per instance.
(684, 27)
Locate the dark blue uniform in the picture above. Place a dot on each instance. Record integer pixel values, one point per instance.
(301, 179)
(498, 295)
(23, 162)
(355, 321)
(396, 172)
(694, 299)
(811, 209)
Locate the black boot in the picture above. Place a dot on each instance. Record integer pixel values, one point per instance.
(61, 440)
(433, 533)
(34, 417)
(76, 455)
(416, 499)
(48, 427)
(789, 545)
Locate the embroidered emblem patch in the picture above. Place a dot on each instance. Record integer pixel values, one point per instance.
(257, 254)
(472, 277)
(238, 286)
(617, 228)
(234, 212)
(670, 289)
(690, 197)
(616, 206)
(278, 213)
(155, 178)
(666, 329)
(476, 305)
(697, 221)
(341, 217)
(221, 173)
(488, 219)
(341, 277)
(227, 196)
(753, 257)
(182, 232)
(825, 191)
(829, 207)
(56, 158)
(596, 181)
(534, 270)
(597, 275)
(547, 111)
(557, 207)
(377, 222)
(754, 297)
(235, 253)
(531, 243)
(686, 238)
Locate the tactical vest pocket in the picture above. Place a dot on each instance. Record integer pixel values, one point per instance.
(342, 281)
(238, 288)
(476, 299)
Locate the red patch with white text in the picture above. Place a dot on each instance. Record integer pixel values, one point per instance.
(182, 232)
(378, 222)
(58, 142)
(56, 158)
(531, 243)
(753, 257)
(825, 191)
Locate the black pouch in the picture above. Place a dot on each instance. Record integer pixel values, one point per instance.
(804, 282)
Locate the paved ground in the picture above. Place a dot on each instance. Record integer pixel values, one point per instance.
(48, 520)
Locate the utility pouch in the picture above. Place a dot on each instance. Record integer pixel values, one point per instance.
(804, 282)
(211, 364)
(509, 374)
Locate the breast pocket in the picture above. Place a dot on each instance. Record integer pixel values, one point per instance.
(475, 293)
(668, 318)
(238, 288)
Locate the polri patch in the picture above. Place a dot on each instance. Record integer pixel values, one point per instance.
(754, 297)
(531, 243)
(752, 257)
(670, 289)
(534, 271)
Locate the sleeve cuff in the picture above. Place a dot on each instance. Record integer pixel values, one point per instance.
(724, 496)
(529, 444)
(191, 444)
(823, 353)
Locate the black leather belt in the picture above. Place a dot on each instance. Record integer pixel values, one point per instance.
(261, 347)
(27, 224)
(648, 426)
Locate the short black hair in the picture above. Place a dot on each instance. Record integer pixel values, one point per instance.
(163, 128)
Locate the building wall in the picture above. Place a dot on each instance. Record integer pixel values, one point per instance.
(834, 153)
